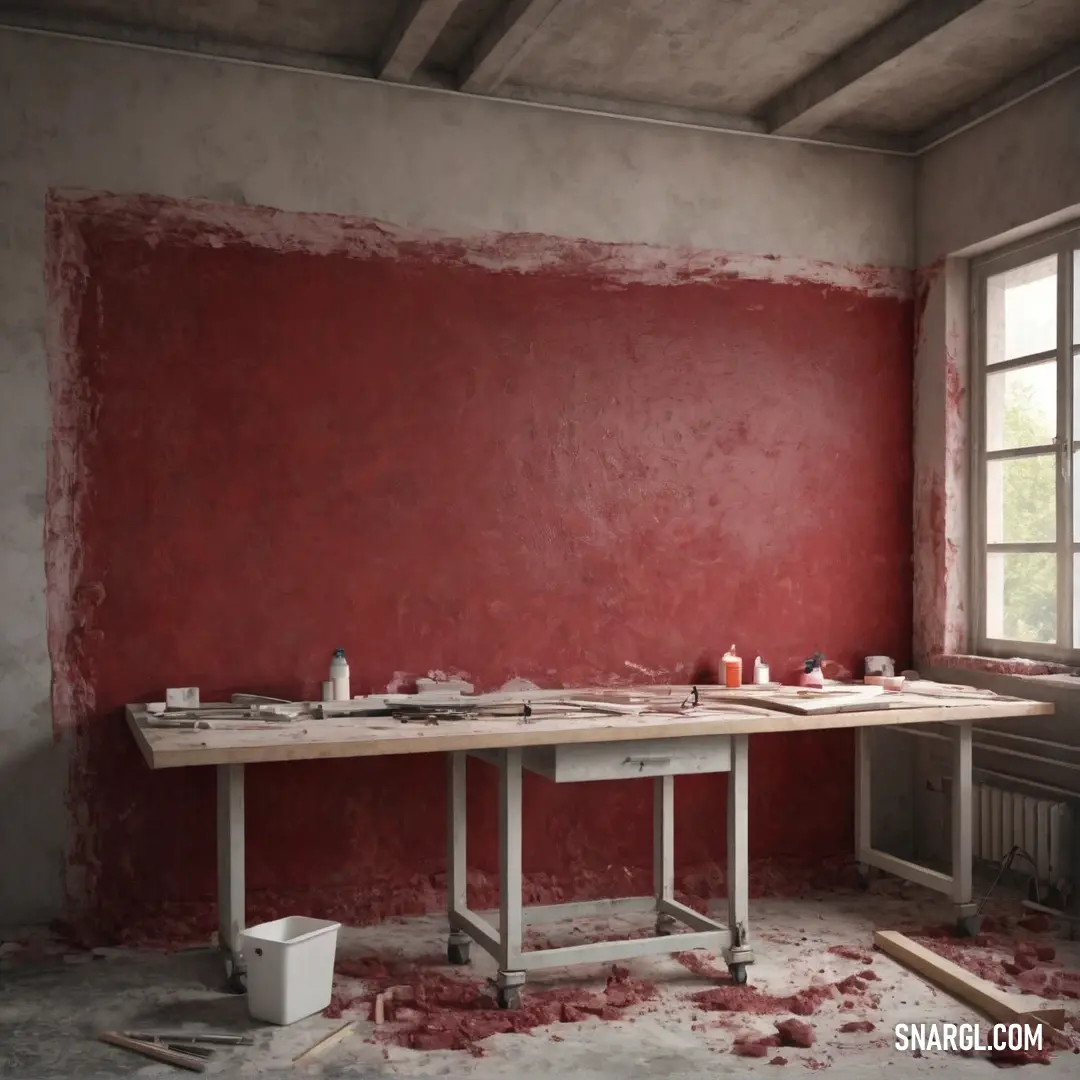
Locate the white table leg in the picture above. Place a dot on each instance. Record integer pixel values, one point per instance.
(962, 813)
(230, 852)
(738, 858)
(510, 977)
(664, 849)
(457, 946)
(862, 800)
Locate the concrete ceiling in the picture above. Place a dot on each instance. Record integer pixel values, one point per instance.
(892, 74)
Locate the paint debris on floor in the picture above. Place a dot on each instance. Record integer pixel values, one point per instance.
(1014, 954)
(819, 996)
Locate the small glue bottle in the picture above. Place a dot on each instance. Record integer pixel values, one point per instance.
(339, 675)
(732, 664)
(761, 672)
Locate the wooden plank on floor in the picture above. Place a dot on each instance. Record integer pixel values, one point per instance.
(326, 1042)
(1000, 1006)
(152, 1050)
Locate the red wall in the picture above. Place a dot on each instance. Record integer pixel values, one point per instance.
(437, 465)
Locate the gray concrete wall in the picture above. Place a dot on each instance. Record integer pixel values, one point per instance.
(1010, 177)
(79, 115)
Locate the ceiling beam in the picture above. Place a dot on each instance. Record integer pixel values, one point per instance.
(415, 28)
(1017, 89)
(815, 101)
(505, 42)
(179, 44)
(697, 119)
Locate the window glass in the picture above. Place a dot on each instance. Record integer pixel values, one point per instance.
(1021, 596)
(1021, 311)
(1026, 404)
(1021, 500)
(1021, 406)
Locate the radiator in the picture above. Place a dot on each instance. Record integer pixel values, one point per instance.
(1042, 828)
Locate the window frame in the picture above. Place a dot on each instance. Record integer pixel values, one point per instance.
(1063, 242)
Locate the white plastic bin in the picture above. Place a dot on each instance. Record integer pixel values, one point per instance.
(290, 967)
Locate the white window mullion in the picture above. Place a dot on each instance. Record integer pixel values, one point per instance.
(976, 493)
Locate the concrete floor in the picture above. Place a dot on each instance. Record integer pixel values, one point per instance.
(54, 1001)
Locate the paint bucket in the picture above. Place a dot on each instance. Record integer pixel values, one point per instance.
(290, 967)
(731, 668)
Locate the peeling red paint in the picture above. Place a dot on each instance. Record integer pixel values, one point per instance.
(930, 562)
(954, 387)
(922, 281)
(941, 439)
(75, 405)
(276, 434)
(169, 923)
(160, 220)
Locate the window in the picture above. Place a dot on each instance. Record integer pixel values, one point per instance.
(1025, 400)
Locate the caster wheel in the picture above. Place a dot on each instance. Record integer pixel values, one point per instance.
(737, 973)
(862, 876)
(236, 983)
(457, 954)
(665, 926)
(508, 997)
(969, 926)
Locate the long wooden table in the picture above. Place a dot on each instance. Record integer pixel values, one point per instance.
(671, 731)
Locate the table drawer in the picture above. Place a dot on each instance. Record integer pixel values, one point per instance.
(573, 762)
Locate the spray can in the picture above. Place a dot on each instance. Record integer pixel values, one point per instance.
(761, 672)
(811, 674)
(732, 668)
(339, 675)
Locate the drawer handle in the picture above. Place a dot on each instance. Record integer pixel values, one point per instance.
(641, 762)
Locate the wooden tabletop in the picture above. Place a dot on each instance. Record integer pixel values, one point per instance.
(374, 736)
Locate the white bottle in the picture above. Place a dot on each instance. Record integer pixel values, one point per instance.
(761, 672)
(339, 675)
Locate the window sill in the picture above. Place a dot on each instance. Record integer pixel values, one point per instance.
(999, 666)
(1017, 676)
